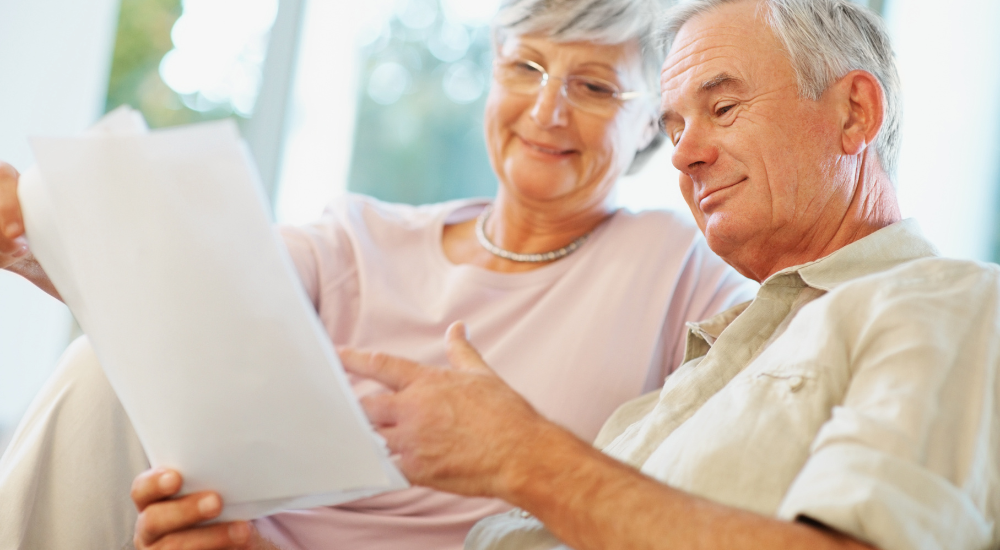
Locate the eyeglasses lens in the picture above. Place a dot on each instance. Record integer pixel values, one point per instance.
(589, 94)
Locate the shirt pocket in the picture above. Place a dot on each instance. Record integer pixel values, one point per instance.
(790, 380)
(806, 392)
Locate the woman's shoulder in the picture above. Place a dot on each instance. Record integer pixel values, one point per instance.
(362, 211)
(656, 224)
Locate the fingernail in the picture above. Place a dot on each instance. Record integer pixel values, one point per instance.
(239, 533)
(209, 505)
(22, 247)
(169, 482)
(12, 228)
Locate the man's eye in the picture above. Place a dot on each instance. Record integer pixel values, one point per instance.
(721, 111)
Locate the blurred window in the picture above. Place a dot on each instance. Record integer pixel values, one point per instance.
(181, 61)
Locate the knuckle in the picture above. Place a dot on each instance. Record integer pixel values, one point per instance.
(378, 359)
(7, 171)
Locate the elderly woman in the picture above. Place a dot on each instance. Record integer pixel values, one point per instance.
(578, 306)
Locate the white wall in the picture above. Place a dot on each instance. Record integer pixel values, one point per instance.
(55, 57)
(949, 63)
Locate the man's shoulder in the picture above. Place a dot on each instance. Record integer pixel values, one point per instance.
(930, 273)
(925, 286)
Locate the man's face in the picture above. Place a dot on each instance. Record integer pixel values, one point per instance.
(756, 160)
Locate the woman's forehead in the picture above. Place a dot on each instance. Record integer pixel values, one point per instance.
(618, 57)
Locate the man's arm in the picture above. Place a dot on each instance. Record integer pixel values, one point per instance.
(465, 431)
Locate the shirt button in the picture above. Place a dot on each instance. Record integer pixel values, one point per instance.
(525, 514)
(795, 383)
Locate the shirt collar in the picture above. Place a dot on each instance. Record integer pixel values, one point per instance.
(884, 249)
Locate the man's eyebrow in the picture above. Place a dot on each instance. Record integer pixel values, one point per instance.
(718, 81)
(721, 79)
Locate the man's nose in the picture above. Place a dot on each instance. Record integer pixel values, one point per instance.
(695, 150)
(550, 106)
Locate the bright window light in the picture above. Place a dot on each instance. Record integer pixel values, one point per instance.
(219, 49)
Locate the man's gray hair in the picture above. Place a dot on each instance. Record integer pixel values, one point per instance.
(598, 21)
(825, 40)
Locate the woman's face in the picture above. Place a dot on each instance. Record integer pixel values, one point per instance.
(544, 149)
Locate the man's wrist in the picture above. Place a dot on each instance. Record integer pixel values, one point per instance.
(535, 467)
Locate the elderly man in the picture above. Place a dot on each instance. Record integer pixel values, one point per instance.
(852, 404)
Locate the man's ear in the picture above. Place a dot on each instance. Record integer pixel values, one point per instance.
(863, 97)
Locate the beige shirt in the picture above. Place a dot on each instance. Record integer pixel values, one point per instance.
(860, 390)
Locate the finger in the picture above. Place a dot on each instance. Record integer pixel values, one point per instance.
(392, 371)
(381, 409)
(11, 222)
(461, 354)
(167, 516)
(391, 435)
(212, 537)
(155, 485)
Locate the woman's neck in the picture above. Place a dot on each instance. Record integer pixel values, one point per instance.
(537, 228)
(524, 229)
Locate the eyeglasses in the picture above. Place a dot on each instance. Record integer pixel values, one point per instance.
(587, 93)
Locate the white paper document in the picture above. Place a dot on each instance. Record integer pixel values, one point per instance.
(161, 245)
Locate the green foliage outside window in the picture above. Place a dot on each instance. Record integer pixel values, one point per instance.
(425, 144)
(143, 38)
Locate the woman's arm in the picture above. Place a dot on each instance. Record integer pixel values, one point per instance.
(14, 253)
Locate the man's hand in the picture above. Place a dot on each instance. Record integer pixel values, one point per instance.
(13, 247)
(166, 522)
(460, 430)
(465, 431)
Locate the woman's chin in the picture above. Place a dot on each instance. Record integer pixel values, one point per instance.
(539, 183)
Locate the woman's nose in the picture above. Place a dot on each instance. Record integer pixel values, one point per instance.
(695, 150)
(550, 106)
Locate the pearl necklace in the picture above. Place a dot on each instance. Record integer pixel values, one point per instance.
(524, 258)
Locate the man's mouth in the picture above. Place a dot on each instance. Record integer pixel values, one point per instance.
(708, 192)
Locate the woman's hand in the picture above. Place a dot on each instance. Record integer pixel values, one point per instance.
(13, 247)
(166, 522)
(14, 253)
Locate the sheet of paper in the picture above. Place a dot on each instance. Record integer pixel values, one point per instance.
(161, 245)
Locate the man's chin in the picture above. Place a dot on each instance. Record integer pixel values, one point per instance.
(725, 234)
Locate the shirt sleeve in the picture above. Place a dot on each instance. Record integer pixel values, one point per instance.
(909, 459)
(327, 266)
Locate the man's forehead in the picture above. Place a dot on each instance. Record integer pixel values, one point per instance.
(731, 40)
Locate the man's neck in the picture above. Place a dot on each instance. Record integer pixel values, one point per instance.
(873, 206)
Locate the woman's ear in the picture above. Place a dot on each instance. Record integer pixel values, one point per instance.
(864, 110)
(650, 130)
(649, 141)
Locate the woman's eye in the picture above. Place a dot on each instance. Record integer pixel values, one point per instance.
(591, 88)
(524, 67)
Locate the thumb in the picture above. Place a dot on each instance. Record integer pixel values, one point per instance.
(461, 354)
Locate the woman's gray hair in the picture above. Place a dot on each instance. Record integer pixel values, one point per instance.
(825, 40)
(597, 21)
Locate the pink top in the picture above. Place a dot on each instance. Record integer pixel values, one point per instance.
(577, 337)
